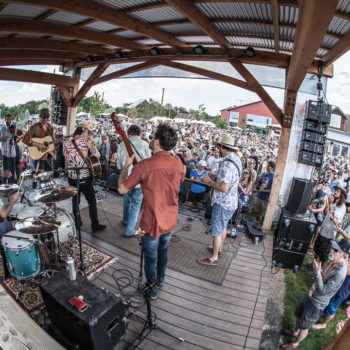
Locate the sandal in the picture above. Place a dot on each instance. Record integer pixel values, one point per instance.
(210, 248)
(290, 346)
(208, 261)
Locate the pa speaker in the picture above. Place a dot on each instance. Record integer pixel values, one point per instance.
(318, 111)
(299, 196)
(101, 326)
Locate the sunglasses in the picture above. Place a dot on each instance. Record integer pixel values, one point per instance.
(45, 117)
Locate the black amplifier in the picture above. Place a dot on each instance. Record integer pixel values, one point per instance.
(309, 158)
(100, 326)
(315, 127)
(318, 111)
(311, 147)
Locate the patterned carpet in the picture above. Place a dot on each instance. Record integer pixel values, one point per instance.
(27, 292)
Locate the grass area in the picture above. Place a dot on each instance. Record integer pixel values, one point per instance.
(297, 284)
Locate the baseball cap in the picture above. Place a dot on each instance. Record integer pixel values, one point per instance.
(344, 245)
(336, 247)
(202, 163)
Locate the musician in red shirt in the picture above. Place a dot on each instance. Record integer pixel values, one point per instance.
(160, 177)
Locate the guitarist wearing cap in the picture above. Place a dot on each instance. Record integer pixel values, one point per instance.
(40, 130)
(76, 152)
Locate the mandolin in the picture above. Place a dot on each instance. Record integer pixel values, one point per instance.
(119, 129)
(49, 144)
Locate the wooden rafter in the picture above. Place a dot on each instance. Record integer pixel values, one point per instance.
(258, 89)
(89, 82)
(275, 20)
(52, 45)
(30, 62)
(62, 30)
(338, 50)
(3, 4)
(22, 54)
(107, 14)
(311, 28)
(206, 73)
(35, 77)
(46, 14)
(189, 10)
(84, 22)
(125, 71)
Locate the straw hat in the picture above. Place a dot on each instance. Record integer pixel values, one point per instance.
(227, 141)
(84, 126)
(342, 190)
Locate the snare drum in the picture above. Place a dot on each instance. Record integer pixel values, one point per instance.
(21, 256)
(67, 230)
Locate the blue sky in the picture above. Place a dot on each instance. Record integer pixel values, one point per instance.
(189, 93)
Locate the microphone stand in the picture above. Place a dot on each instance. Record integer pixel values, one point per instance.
(77, 216)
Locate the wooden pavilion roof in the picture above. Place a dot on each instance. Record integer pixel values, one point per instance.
(284, 33)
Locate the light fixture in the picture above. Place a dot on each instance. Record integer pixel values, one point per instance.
(286, 222)
(119, 54)
(226, 55)
(249, 52)
(89, 59)
(199, 50)
(178, 53)
(155, 51)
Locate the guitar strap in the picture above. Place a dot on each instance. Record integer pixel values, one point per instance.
(82, 156)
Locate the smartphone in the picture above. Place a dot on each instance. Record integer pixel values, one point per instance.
(79, 304)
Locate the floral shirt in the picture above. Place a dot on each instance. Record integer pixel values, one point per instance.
(229, 174)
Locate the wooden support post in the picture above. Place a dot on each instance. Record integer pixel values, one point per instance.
(289, 106)
(72, 111)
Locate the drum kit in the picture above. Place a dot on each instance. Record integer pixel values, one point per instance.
(40, 230)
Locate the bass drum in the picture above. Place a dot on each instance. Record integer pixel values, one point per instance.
(67, 230)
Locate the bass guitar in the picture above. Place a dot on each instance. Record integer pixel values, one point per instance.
(49, 144)
(119, 129)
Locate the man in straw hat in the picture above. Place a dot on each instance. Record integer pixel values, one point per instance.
(40, 130)
(336, 210)
(225, 196)
(81, 141)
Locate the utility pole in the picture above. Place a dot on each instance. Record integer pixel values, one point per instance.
(161, 103)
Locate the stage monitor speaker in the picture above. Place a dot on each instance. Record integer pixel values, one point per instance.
(299, 196)
(112, 181)
(100, 327)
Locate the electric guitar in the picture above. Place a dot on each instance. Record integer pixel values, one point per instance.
(49, 144)
(119, 129)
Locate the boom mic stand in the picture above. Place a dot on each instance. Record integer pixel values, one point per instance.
(148, 322)
(77, 216)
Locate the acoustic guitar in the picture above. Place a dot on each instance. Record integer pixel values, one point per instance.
(49, 144)
(95, 167)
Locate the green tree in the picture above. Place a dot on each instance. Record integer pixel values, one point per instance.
(220, 123)
(94, 104)
(243, 123)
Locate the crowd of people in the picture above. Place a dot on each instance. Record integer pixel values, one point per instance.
(230, 172)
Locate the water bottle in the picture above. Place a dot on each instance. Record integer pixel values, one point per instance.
(256, 240)
(35, 180)
(72, 274)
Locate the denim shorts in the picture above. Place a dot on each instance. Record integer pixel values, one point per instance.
(308, 315)
(333, 305)
(219, 219)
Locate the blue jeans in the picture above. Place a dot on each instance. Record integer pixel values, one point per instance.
(9, 164)
(153, 248)
(131, 207)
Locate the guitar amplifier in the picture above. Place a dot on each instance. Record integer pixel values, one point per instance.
(100, 327)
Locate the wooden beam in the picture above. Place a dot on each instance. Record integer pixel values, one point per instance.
(104, 13)
(189, 10)
(28, 54)
(72, 111)
(89, 83)
(207, 73)
(22, 25)
(84, 22)
(66, 96)
(312, 26)
(258, 89)
(51, 45)
(275, 20)
(35, 62)
(46, 14)
(34, 77)
(339, 49)
(125, 71)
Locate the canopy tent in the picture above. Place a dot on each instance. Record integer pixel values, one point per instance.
(181, 120)
(210, 124)
(162, 119)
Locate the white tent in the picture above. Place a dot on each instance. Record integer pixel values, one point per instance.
(237, 128)
(162, 119)
(86, 114)
(181, 120)
(210, 124)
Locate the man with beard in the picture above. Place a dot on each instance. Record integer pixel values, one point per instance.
(8, 148)
(225, 196)
(160, 177)
(336, 210)
(133, 199)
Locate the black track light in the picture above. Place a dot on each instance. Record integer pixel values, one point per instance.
(199, 50)
(249, 52)
(119, 54)
(155, 51)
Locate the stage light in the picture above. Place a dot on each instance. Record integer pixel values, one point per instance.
(249, 52)
(154, 51)
(199, 50)
(119, 54)
(89, 59)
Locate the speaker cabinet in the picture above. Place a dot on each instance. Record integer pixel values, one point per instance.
(318, 111)
(292, 239)
(299, 196)
(101, 326)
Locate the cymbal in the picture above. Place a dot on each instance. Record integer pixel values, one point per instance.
(57, 194)
(27, 174)
(38, 226)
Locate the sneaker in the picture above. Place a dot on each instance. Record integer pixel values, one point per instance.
(160, 284)
(154, 294)
(135, 234)
(98, 228)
